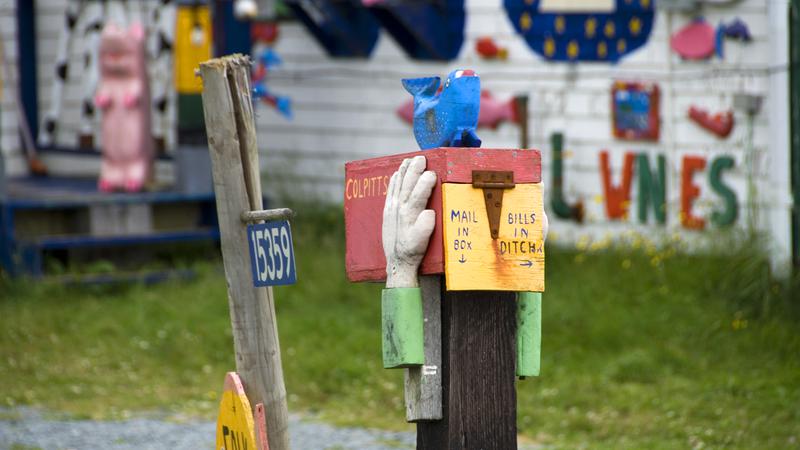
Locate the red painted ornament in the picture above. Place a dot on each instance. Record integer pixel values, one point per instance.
(695, 41)
(266, 32)
(488, 49)
(720, 124)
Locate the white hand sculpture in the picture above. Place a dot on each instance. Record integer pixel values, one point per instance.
(407, 225)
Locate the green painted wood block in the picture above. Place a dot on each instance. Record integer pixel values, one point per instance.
(190, 112)
(529, 334)
(401, 311)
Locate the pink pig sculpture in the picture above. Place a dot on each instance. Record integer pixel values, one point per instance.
(123, 95)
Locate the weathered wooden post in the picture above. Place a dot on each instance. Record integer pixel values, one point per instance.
(227, 106)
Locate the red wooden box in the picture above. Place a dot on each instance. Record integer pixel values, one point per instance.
(365, 192)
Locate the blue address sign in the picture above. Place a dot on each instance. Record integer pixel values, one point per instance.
(271, 253)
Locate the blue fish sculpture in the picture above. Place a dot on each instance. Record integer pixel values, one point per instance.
(447, 118)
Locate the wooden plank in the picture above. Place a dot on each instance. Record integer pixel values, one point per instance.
(120, 219)
(261, 427)
(529, 334)
(252, 310)
(478, 340)
(473, 260)
(423, 385)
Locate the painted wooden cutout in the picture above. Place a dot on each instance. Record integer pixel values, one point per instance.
(720, 124)
(695, 41)
(447, 118)
(635, 111)
(366, 182)
(652, 188)
(192, 46)
(582, 30)
(268, 59)
(492, 112)
(487, 48)
(558, 204)
(429, 30)
(235, 424)
(728, 215)
(736, 30)
(473, 260)
(124, 97)
(690, 191)
(344, 28)
(618, 198)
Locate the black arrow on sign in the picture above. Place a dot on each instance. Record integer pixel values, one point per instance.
(462, 260)
(526, 263)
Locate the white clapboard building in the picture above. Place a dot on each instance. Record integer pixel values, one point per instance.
(344, 109)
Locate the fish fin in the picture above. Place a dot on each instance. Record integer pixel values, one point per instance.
(422, 86)
(471, 138)
(465, 137)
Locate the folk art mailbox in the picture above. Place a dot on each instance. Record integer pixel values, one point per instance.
(488, 204)
(466, 270)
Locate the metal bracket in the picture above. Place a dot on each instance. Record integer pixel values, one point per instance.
(267, 215)
(493, 183)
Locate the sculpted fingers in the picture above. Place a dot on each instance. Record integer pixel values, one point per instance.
(421, 193)
(390, 194)
(421, 231)
(416, 166)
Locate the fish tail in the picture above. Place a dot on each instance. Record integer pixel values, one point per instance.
(421, 86)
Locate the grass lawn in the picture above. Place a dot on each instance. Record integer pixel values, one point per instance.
(643, 348)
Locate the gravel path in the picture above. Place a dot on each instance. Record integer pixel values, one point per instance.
(28, 429)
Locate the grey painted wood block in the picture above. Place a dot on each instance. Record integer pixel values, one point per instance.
(120, 220)
(423, 385)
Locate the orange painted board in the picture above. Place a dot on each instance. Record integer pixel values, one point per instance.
(473, 260)
(261, 425)
(365, 193)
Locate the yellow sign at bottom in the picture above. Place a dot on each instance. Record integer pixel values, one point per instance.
(235, 425)
(473, 260)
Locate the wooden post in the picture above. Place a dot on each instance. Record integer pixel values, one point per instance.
(478, 374)
(423, 384)
(227, 106)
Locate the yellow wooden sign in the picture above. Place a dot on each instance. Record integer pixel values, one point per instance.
(235, 425)
(473, 260)
(192, 46)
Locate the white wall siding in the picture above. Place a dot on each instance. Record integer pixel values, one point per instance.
(9, 136)
(345, 110)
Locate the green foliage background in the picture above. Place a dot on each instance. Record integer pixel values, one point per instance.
(644, 346)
